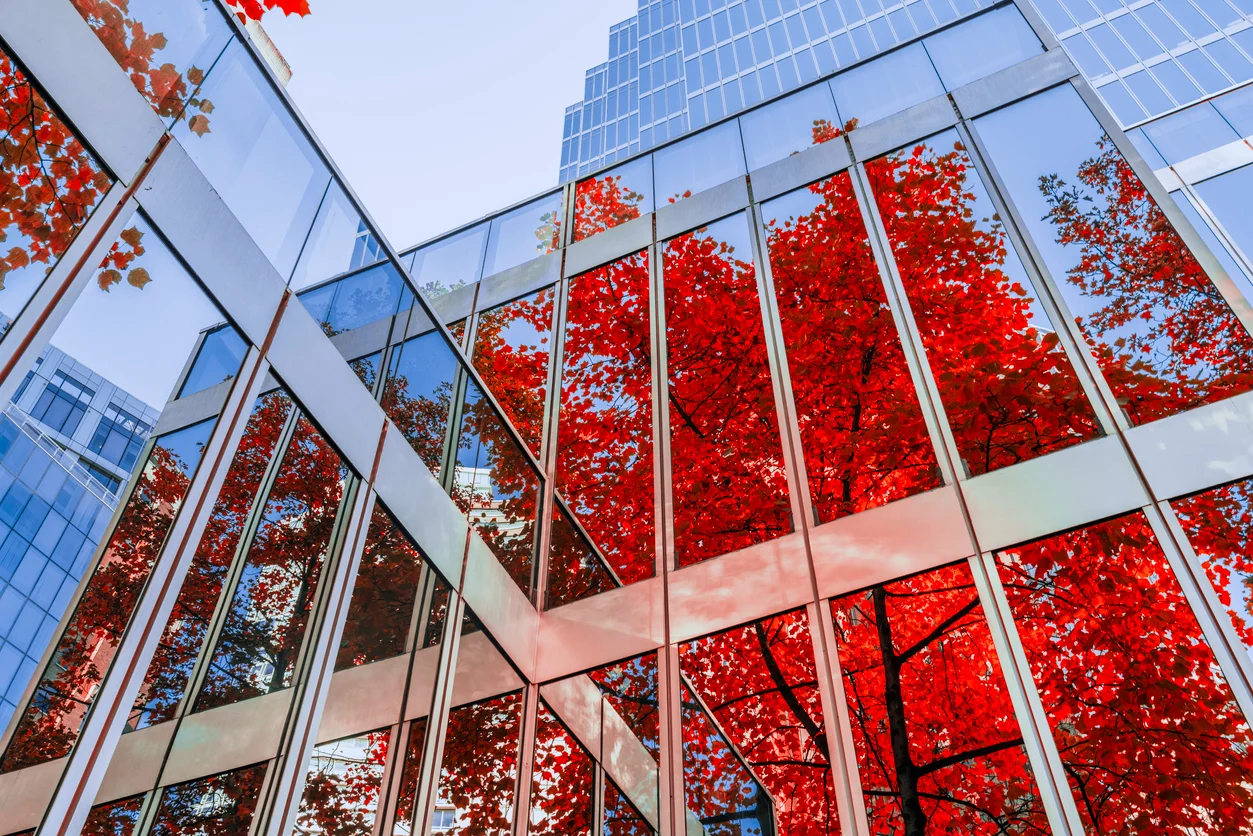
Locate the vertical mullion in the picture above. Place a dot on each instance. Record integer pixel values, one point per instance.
(673, 814)
(548, 435)
(526, 760)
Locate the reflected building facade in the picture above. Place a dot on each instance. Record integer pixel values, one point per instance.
(869, 461)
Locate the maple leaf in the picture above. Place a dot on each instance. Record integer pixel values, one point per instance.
(138, 277)
(199, 125)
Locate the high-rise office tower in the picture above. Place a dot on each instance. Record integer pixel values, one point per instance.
(874, 460)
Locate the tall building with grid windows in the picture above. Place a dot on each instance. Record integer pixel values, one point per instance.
(873, 460)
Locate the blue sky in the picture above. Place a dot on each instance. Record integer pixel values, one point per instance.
(440, 112)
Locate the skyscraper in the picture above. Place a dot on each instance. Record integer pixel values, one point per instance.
(873, 460)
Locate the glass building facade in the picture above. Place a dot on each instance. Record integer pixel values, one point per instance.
(873, 460)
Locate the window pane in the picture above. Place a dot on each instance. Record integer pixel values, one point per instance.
(342, 787)
(730, 489)
(117, 818)
(222, 804)
(981, 46)
(1189, 132)
(885, 86)
(523, 234)
(497, 487)
(511, 353)
(1145, 724)
(450, 263)
(864, 436)
(761, 685)
(1161, 333)
(51, 723)
(699, 162)
(260, 641)
(615, 197)
(605, 432)
(575, 570)
(183, 638)
(717, 788)
(480, 766)
(789, 126)
(937, 743)
(418, 394)
(360, 299)
(1227, 197)
(255, 156)
(621, 819)
(1006, 383)
(340, 241)
(220, 356)
(561, 784)
(410, 772)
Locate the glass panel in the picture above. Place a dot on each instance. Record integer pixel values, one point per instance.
(118, 818)
(719, 791)
(170, 671)
(511, 353)
(497, 487)
(561, 783)
(523, 234)
(981, 46)
(760, 685)
(410, 772)
(730, 487)
(1006, 382)
(938, 747)
(261, 636)
(1220, 250)
(220, 356)
(339, 242)
(1226, 196)
(1145, 724)
(255, 156)
(575, 570)
(480, 766)
(1217, 524)
(454, 262)
(865, 439)
(385, 594)
(165, 48)
(367, 369)
(885, 86)
(51, 723)
(619, 195)
(418, 394)
(620, 817)
(699, 162)
(221, 805)
(1190, 132)
(359, 300)
(342, 788)
(605, 431)
(789, 126)
(49, 191)
(1160, 331)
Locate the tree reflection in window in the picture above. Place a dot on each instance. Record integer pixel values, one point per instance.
(117, 818)
(760, 684)
(50, 725)
(341, 793)
(480, 765)
(730, 486)
(1218, 524)
(220, 805)
(418, 395)
(264, 627)
(1150, 737)
(621, 819)
(575, 570)
(410, 771)
(511, 354)
(938, 746)
(561, 783)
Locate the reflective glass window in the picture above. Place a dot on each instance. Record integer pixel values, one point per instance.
(575, 569)
(221, 804)
(385, 594)
(561, 783)
(1237, 108)
(862, 429)
(450, 263)
(981, 46)
(497, 487)
(605, 424)
(1005, 381)
(49, 190)
(358, 300)
(339, 241)
(367, 369)
(1227, 197)
(523, 234)
(885, 86)
(1162, 335)
(619, 195)
(1187, 133)
(51, 722)
(1220, 250)
(1145, 724)
(117, 818)
(165, 48)
(410, 771)
(938, 747)
(480, 766)
(760, 683)
(170, 670)
(119, 437)
(418, 394)
(718, 788)
(62, 404)
(511, 349)
(269, 610)
(219, 359)
(621, 819)
(730, 489)
(256, 157)
(789, 126)
(341, 792)
(699, 162)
